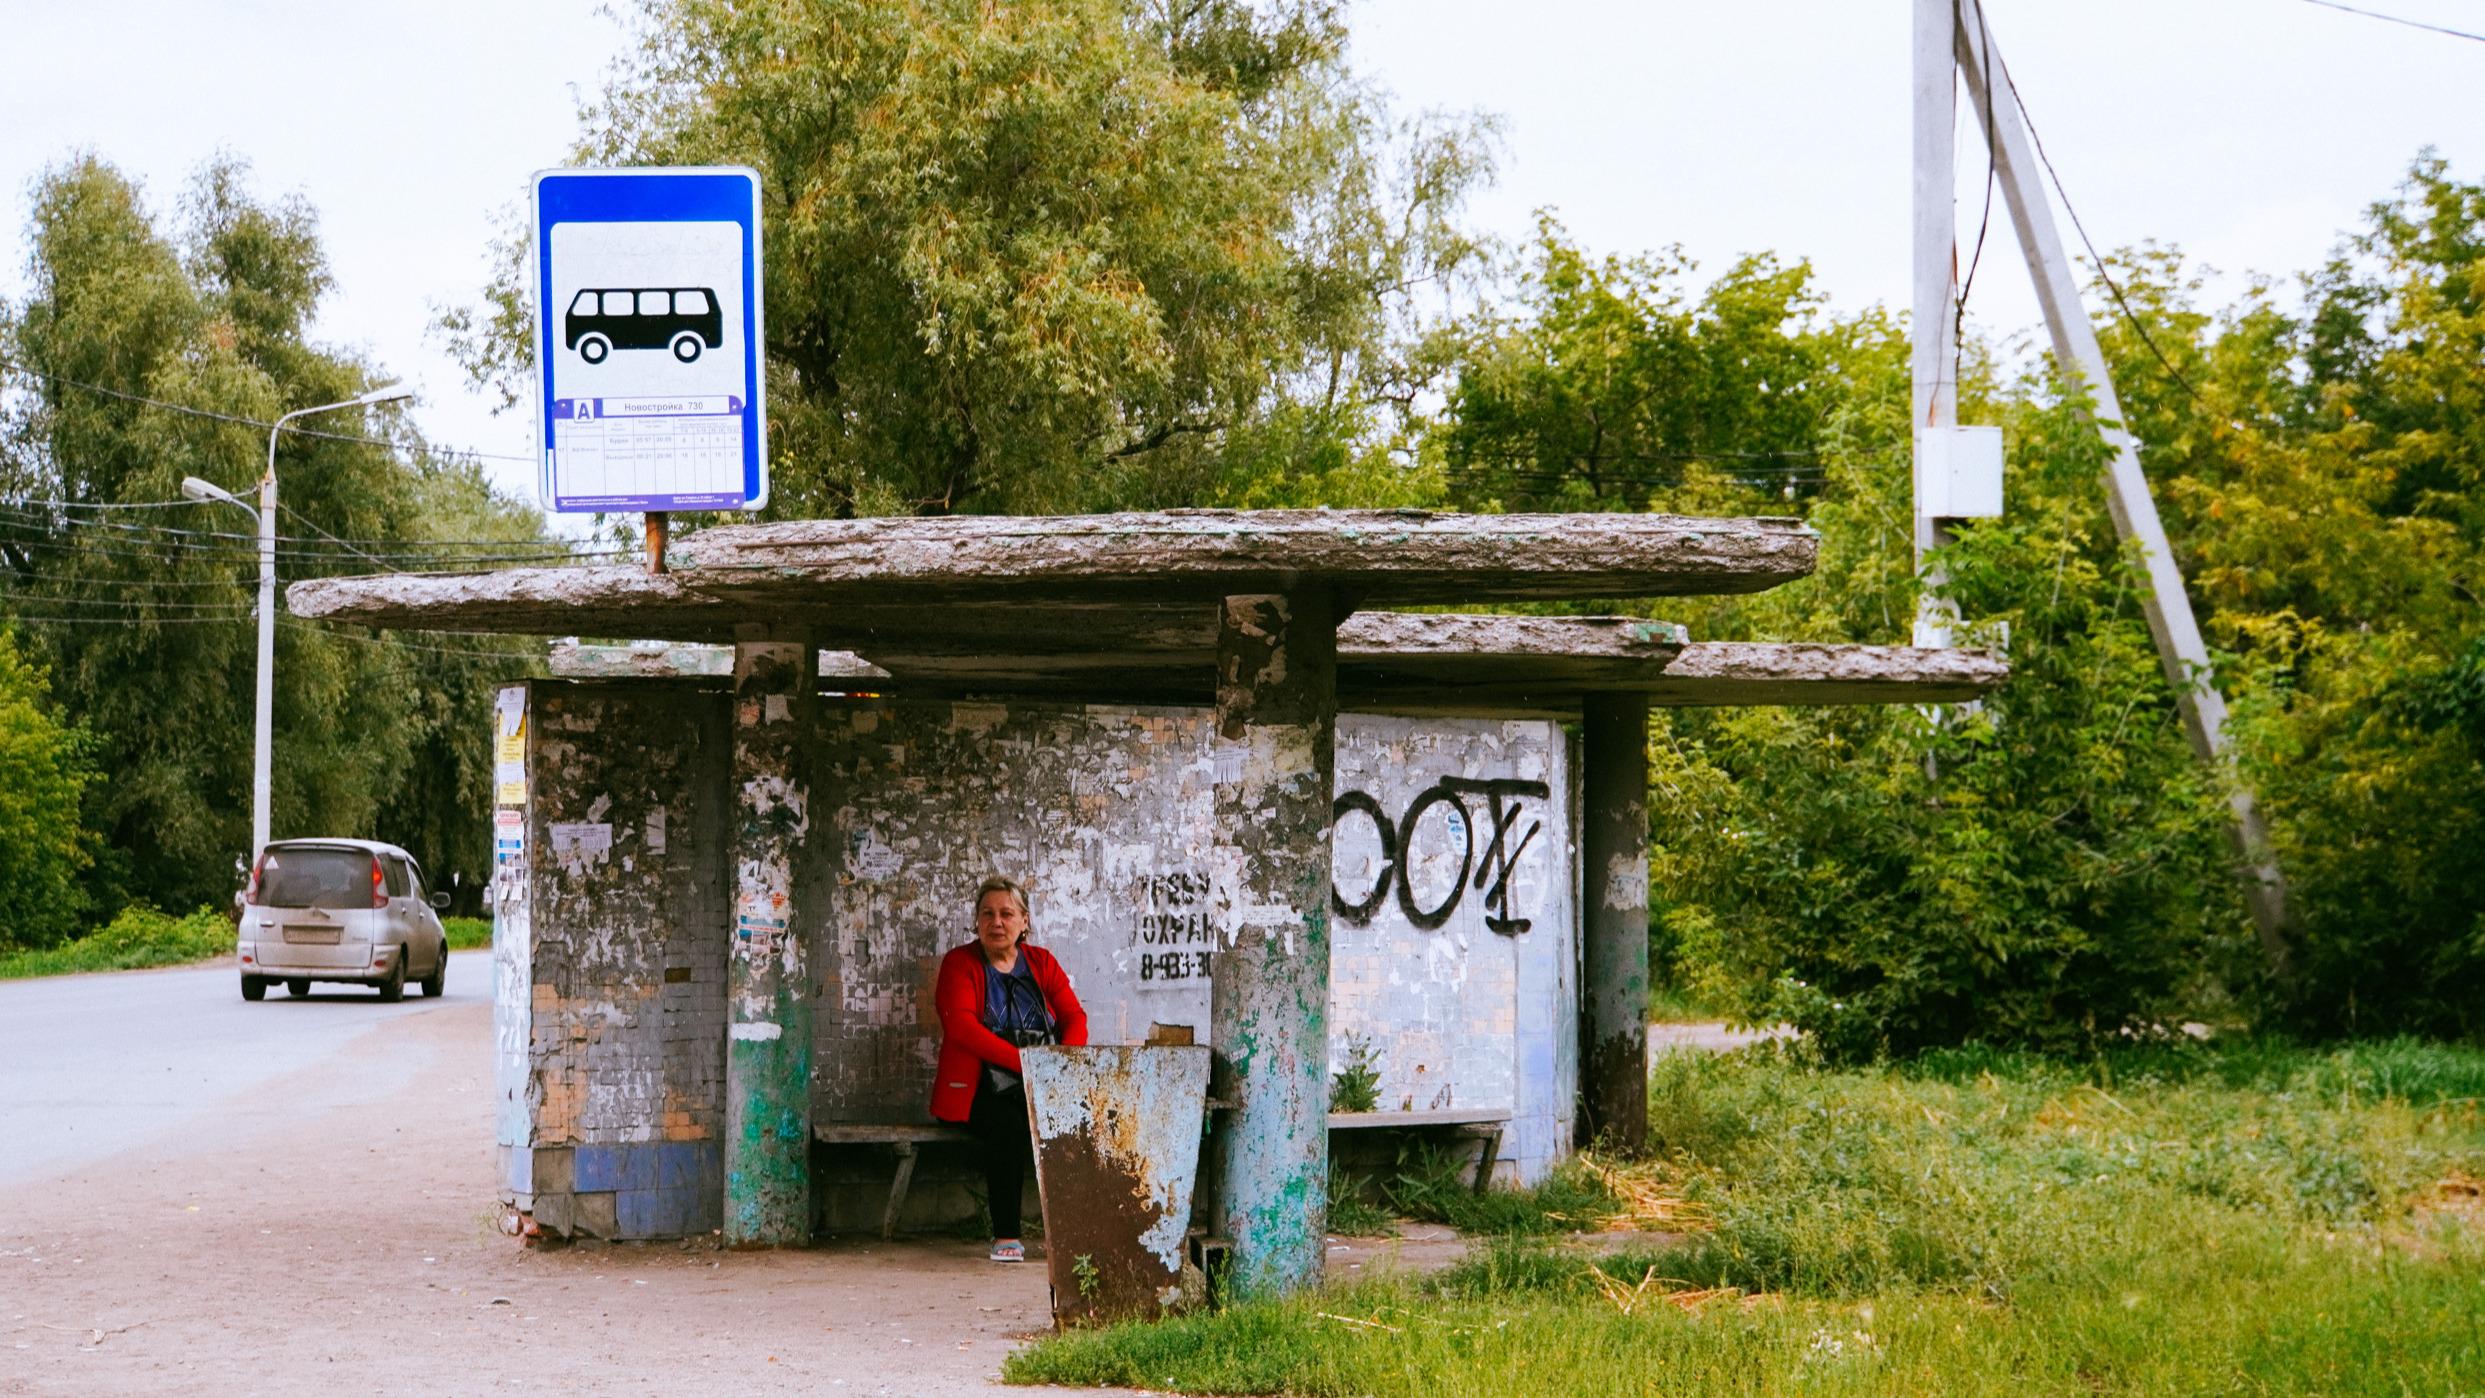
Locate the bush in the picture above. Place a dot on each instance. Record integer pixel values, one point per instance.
(138, 938)
(2045, 871)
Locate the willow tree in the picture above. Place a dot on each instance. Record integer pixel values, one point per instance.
(1039, 256)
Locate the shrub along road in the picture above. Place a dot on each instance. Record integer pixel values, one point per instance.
(318, 1219)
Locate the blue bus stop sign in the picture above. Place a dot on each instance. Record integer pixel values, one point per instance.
(648, 338)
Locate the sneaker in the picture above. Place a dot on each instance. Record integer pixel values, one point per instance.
(1009, 1250)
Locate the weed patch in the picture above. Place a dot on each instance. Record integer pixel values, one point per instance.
(2170, 1218)
(1351, 1210)
(1433, 1183)
(467, 933)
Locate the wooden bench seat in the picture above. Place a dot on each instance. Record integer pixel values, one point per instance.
(904, 1138)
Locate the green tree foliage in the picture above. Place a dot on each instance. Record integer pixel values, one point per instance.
(1042, 257)
(2059, 880)
(1609, 386)
(44, 770)
(2325, 484)
(2045, 870)
(143, 616)
(2062, 878)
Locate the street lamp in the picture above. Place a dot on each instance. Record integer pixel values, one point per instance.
(208, 493)
(262, 763)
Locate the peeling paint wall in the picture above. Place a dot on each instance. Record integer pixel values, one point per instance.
(624, 1010)
(513, 1104)
(1103, 813)
(1456, 930)
(1107, 813)
(618, 995)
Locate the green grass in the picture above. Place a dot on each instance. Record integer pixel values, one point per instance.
(2249, 1217)
(139, 937)
(1351, 1210)
(467, 933)
(1436, 1185)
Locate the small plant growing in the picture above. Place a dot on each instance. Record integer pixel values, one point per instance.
(1083, 1267)
(1357, 1086)
(1351, 1213)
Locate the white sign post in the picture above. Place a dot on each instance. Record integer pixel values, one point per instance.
(648, 340)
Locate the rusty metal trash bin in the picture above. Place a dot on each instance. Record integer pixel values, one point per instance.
(1117, 1131)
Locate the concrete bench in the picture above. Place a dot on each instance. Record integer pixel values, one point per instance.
(1481, 1125)
(903, 1140)
(1484, 1125)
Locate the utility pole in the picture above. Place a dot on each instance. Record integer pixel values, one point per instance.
(2081, 361)
(1934, 361)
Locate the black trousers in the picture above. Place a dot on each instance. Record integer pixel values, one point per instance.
(999, 1120)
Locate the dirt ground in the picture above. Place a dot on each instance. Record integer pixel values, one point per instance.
(284, 1250)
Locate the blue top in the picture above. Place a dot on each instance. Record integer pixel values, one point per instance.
(1013, 1009)
(1013, 1002)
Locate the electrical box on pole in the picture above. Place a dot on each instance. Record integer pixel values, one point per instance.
(1958, 472)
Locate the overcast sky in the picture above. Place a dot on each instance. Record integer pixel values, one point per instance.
(2251, 133)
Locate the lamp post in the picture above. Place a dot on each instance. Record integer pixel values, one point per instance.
(263, 746)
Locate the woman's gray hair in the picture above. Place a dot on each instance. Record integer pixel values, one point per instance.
(1000, 883)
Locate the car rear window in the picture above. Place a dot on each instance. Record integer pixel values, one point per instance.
(301, 876)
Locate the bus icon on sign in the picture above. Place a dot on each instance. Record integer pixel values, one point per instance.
(683, 319)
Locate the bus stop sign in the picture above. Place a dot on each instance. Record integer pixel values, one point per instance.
(647, 341)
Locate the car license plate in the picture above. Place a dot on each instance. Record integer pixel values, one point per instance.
(302, 936)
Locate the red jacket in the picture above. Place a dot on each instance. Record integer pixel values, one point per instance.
(966, 1045)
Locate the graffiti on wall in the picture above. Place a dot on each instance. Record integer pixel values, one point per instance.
(1174, 933)
(1444, 807)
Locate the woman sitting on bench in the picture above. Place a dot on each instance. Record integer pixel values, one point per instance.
(995, 995)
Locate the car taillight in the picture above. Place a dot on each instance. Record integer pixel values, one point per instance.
(379, 891)
(257, 867)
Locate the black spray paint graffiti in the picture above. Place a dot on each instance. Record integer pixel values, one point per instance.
(1492, 872)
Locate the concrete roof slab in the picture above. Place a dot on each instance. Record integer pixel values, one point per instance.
(986, 582)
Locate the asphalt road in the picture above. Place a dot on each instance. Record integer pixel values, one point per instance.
(298, 1199)
(94, 1065)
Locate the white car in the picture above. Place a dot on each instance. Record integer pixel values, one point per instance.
(340, 910)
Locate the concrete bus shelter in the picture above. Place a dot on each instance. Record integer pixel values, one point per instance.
(719, 895)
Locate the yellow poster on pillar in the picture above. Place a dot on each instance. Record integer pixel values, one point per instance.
(509, 749)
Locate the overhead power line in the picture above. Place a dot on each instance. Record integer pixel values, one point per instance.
(2096, 258)
(146, 604)
(125, 621)
(232, 584)
(2397, 19)
(260, 423)
(293, 623)
(1984, 220)
(161, 553)
(309, 546)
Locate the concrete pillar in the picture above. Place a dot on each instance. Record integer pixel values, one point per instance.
(767, 1011)
(1613, 1034)
(1275, 755)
